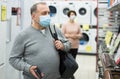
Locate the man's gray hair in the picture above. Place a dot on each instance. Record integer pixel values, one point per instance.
(34, 7)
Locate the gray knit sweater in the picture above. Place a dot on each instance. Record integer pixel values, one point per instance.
(32, 47)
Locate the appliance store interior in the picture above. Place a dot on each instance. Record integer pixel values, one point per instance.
(98, 52)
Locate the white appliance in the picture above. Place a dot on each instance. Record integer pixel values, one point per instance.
(88, 42)
(93, 13)
(54, 11)
(26, 16)
(13, 27)
(83, 11)
(2, 44)
(65, 7)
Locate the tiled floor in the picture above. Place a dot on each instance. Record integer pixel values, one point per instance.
(87, 67)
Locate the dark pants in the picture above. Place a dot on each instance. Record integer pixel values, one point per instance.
(74, 52)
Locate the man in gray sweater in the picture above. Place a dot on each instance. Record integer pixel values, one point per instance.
(35, 48)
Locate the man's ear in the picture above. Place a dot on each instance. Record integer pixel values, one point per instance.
(33, 16)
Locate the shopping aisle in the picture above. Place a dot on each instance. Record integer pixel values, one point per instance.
(87, 66)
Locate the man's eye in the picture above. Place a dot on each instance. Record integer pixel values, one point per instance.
(45, 13)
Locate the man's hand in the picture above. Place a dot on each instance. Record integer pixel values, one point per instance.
(59, 45)
(32, 70)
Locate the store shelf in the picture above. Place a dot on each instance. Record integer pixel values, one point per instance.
(116, 7)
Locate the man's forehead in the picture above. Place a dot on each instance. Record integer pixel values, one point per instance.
(42, 7)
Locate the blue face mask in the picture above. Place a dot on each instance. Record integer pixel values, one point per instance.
(44, 21)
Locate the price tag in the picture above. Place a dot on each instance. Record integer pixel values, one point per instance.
(3, 12)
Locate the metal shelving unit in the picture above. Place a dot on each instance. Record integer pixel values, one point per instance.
(115, 7)
(113, 19)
